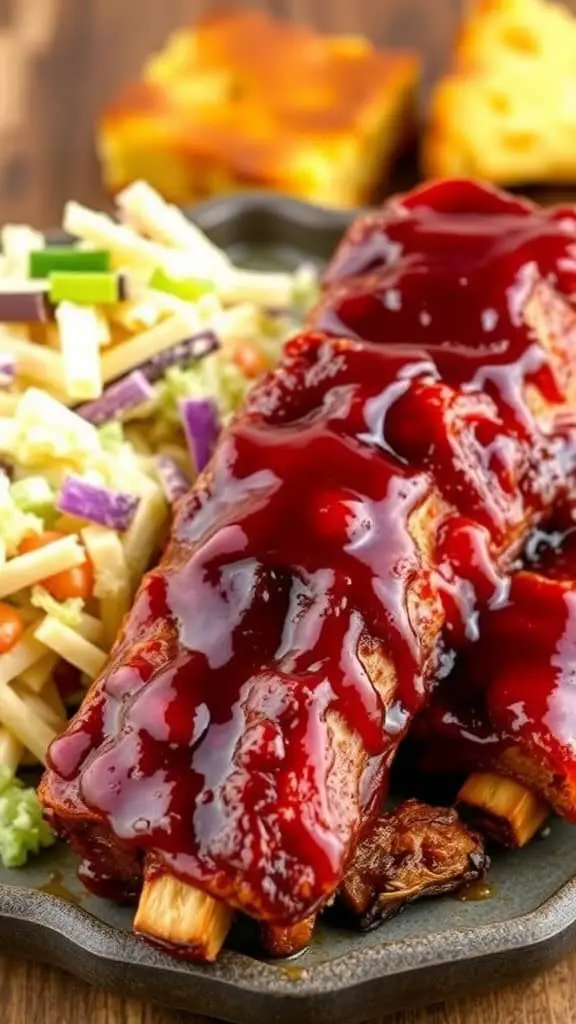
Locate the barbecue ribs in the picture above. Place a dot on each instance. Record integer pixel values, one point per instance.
(356, 518)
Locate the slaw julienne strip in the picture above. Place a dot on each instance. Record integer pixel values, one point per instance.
(101, 396)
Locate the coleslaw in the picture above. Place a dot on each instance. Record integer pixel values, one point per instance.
(121, 356)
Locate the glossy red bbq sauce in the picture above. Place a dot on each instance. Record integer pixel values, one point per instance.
(209, 738)
(516, 687)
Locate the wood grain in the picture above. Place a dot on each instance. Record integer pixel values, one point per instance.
(60, 60)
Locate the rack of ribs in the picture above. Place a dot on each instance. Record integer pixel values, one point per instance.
(356, 518)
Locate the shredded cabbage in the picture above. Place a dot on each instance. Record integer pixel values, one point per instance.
(111, 436)
(33, 494)
(44, 431)
(23, 829)
(213, 376)
(68, 612)
(14, 523)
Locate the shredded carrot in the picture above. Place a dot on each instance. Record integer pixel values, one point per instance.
(11, 627)
(76, 582)
(249, 359)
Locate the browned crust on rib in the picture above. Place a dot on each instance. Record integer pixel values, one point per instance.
(413, 851)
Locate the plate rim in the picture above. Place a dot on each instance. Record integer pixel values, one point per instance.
(100, 940)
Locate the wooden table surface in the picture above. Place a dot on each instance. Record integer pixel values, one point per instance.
(59, 61)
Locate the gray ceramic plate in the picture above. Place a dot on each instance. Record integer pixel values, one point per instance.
(433, 951)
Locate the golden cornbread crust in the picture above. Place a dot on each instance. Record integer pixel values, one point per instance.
(242, 100)
(507, 110)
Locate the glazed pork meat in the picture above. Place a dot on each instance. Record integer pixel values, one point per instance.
(509, 705)
(356, 518)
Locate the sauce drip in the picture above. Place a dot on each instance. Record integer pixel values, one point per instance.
(367, 501)
(55, 886)
(475, 892)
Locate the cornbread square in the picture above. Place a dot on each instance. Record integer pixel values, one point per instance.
(507, 111)
(245, 101)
